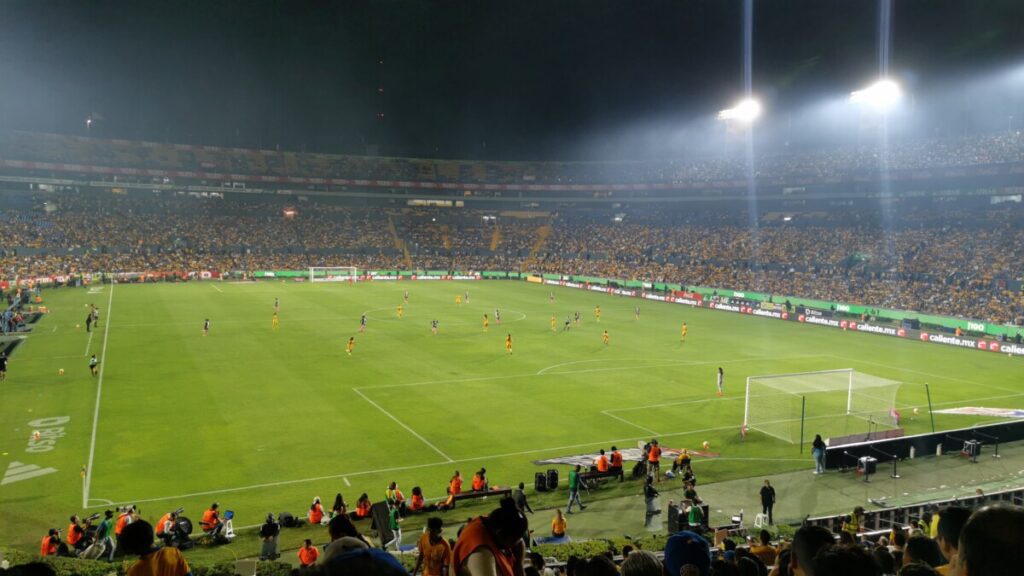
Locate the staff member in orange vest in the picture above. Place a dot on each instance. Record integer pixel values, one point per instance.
(363, 507)
(654, 461)
(480, 480)
(616, 463)
(127, 517)
(455, 484)
(417, 503)
(601, 462)
(492, 544)
(211, 523)
(316, 512)
(50, 542)
(308, 554)
(165, 527)
(558, 524)
(75, 533)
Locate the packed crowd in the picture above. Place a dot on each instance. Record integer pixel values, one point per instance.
(952, 541)
(932, 262)
(972, 150)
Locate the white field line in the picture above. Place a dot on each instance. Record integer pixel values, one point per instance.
(448, 463)
(403, 425)
(217, 288)
(347, 483)
(88, 343)
(543, 372)
(623, 420)
(54, 329)
(681, 403)
(930, 375)
(96, 411)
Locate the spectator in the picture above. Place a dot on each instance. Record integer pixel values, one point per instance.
(558, 524)
(924, 550)
(992, 542)
(492, 544)
(684, 548)
(137, 538)
(537, 562)
(435, 555)
(344, 538)
(641, 563)
(951, 523)
(845, 561)
(764, 549)
(807, 542)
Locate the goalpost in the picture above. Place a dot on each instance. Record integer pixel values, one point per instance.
(838, 402)
(333, 274)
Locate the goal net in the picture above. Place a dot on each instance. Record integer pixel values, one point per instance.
(791, 407)
(333, 274)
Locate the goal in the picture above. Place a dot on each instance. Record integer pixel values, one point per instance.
(791, 407)
(333, 274)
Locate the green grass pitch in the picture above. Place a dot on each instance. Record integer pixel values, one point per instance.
(262, 420)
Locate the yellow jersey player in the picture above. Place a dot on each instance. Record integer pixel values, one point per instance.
(486, 322)
(351, 345)
(274, 322)
(554, 321)
(682, 337)
(458, 300)
(399, 310)
(508, 343)
(597, 313)
(604, 337)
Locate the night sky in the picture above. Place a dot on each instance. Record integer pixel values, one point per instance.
(455, 78)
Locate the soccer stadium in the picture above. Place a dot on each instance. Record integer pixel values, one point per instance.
(513, 304)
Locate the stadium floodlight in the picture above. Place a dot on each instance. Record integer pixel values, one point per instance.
(746, 110)
(883, 95)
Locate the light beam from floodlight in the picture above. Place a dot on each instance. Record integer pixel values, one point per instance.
(745, 111)
(882, 94)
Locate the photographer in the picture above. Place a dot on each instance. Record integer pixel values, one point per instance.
(76, 535)
(50, 543)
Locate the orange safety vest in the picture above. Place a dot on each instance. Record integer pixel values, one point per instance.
(308, 556)
(475, 536)
(602, 463)
(455, 486)
(47, 547)
(163, 522)
(478, 483)
(74, 535)
(210, 519)
(417, 502)
(616, 459)
(122, 521)
(363, 509)
(655, 454)
(316, 514)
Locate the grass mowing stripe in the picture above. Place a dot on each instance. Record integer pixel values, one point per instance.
(99, 393)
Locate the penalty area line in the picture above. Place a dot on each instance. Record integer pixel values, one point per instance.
(624, 421)
(217, 288)
(403, 425)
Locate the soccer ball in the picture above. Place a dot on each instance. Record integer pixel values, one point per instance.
(60, 372)
(916, 411)
(36, 435)
(78, 325)
(706, 445)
